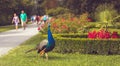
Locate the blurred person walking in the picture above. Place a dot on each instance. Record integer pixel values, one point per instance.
(15, 20)
(23, 17)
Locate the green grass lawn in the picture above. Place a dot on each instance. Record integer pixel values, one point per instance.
(6, 28)
(17, 57)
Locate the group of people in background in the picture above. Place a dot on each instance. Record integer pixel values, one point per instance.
(23, 19)
(39, 20)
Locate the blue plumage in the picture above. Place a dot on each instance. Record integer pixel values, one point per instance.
(49, 45)
(51, 41)
(46, 45)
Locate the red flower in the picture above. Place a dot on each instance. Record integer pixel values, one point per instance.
(114, 35)
(63, 20)
(38, 28)
(64, 27)
(89, 20)
(92, 34)
(101, 34)
(72, 19)
(54, 25)
(107, 35)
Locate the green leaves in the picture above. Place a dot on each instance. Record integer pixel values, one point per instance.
(105, 13)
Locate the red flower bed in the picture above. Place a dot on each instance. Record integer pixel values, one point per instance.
(102, 34)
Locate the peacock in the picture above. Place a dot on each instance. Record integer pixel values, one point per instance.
(45, 45)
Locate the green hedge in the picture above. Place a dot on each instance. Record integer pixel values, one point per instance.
(85, 45)
(73, 35)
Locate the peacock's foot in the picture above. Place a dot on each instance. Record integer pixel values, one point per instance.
(46, 56)
(42, 53)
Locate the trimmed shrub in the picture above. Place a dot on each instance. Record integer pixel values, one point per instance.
(72, 35)
(66, 44)
(87, 46)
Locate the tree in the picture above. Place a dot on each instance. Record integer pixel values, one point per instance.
(8, 7)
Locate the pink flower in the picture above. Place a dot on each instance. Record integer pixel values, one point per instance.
(38, 28)
(92, 34)
(101, 34)
(114, 35)
(54, 25)
(107, 35)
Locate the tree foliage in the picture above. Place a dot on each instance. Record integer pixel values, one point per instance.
(77, 7)
(57, 11)
(8, 7)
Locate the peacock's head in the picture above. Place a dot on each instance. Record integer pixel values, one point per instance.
(48, 24)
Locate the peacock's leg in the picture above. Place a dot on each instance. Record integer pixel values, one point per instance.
(42, 52)
(46, 56)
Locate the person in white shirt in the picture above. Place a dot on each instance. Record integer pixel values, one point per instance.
(15, 20)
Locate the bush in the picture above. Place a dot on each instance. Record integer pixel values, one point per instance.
(57, 11)
(85, 45)
(70, 25)
(72, 35)
(117, 25)
(107, 14)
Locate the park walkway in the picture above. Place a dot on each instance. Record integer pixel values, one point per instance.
(11, 39)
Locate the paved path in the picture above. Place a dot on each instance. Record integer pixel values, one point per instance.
(13, 38)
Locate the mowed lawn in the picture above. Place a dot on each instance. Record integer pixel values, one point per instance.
(6, 28)
(17, 57)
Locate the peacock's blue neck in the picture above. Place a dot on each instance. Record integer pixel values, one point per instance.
(50, 37)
